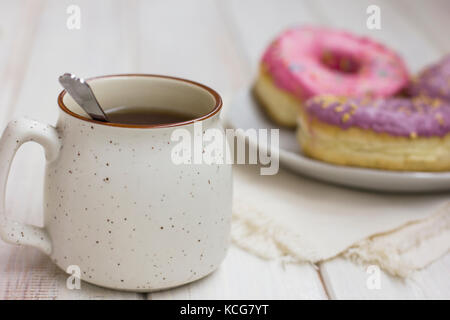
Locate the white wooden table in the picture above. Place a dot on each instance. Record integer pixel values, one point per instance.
(212, 41)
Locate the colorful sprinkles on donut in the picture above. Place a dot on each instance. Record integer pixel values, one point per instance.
(433, 82)
(417, 117)
(304, 62)
(320, 60)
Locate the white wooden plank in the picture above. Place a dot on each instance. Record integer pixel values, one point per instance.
(16, 40)
(253, 24)
(431, 18)
(245, 276)
(188, 39)
(198, 40)
(97, 48)
(434, 281)
(16, 43)
(11, 11)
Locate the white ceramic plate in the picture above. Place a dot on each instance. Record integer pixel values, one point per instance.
(245, 113)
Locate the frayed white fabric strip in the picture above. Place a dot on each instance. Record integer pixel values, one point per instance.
(401, 251)
(257, 233)
(408, 248)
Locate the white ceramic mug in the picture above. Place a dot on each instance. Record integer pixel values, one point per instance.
(115, 205)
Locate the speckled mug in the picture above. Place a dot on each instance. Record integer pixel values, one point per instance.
(115, 205)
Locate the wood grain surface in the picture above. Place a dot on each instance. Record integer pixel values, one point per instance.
(215, 42)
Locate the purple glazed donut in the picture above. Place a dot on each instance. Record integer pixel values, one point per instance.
(394, 133)
(433, 81)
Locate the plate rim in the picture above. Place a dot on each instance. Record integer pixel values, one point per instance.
(285, 155)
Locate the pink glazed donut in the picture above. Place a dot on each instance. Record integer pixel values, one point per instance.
(306, 61)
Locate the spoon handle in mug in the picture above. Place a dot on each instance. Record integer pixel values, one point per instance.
(82, 93)
(16, 133)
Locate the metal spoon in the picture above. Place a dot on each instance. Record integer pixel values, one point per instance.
(82, 93)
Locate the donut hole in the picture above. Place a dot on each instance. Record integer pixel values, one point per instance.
(340, 62)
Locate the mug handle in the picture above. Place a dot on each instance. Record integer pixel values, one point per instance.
(16, 133)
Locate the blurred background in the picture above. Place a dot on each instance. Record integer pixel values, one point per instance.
(216, 42)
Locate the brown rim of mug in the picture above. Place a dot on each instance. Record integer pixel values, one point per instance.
(216, 109)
